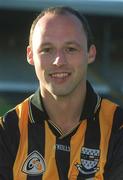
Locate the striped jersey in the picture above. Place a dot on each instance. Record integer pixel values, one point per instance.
(34, 148)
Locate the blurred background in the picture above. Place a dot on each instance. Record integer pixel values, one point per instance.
(17, 77)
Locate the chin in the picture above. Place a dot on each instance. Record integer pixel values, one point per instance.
(60, 93)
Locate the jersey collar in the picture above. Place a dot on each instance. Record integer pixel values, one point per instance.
(38, 111)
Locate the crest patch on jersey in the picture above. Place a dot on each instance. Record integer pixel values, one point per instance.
(89, 161)
(34, 164)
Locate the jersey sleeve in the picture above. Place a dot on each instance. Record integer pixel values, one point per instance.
(114, 167)
(9, 140)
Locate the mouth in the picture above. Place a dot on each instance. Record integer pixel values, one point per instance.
(60, 75)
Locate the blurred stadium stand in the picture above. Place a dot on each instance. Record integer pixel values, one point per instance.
(17, 78)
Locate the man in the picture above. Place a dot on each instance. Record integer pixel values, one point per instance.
(65, 130)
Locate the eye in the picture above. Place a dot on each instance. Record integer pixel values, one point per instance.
(71, 49)
(46, 50)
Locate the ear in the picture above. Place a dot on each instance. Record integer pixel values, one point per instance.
(91, 54)
(30, 55)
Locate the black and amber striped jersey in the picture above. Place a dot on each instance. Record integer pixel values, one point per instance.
(34, 148)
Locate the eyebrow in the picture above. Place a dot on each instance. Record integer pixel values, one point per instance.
(73, 43)
(46, 44)
(67, 43)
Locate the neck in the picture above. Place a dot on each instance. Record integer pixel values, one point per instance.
(65, 111)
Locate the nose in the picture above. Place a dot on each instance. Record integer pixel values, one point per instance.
(60, 59)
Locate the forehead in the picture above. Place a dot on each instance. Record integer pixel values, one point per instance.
(51, 17)
(49, 21)
(58, 29)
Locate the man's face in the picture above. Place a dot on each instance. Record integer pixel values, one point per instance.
(59, 54)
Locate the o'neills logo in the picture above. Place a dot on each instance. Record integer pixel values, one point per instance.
(34, 164)
(61, 147)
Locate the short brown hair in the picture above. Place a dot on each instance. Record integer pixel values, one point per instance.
(62, 11)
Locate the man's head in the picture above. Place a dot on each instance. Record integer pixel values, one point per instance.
(60, 48)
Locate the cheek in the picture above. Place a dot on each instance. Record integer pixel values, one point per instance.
(80, 66)
(41, 67)
(79, 61)
(39, 62)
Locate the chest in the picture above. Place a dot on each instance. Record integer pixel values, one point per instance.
(80, 155)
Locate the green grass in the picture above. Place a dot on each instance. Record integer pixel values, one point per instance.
(4, 108)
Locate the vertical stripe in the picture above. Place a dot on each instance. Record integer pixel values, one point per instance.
(76, 144)
(36, 142)
(92, 143)
(92, 134)
(106, 119)
(51, 168)
(63, 157)
(9, 142)
(22, 111)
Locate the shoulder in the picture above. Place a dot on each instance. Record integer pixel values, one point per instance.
(112, 111)
(117, 114)
(115, 156)
(10, 126)
(10, 119)
(118, 119)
